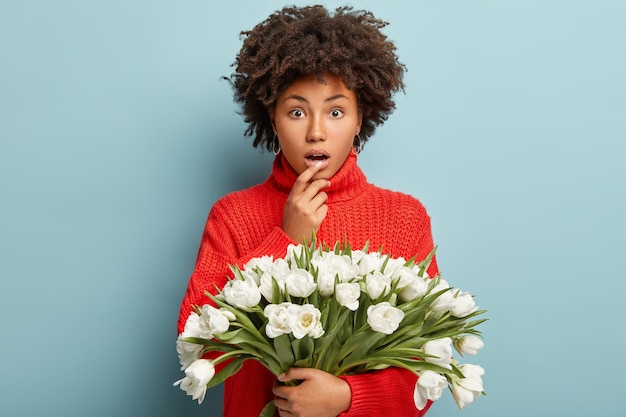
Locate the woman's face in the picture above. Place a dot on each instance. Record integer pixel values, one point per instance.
(316, 123)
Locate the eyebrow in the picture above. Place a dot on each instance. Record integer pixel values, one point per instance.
(304, 100)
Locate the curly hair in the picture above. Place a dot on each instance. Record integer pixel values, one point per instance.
(311, 41)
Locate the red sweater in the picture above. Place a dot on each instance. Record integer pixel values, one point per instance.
(246, 224)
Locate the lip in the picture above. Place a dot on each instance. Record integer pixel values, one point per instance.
(322, 163)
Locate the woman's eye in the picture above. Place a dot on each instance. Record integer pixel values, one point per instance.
(297, 113)
(335, 113)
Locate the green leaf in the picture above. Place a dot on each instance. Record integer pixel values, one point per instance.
(227, 371)
(303, 348)
(333, 311)
(360, 315)
(247, 342)
(425, 263)
(359, 345)
(405, 352)
(284, 353)
(276, 293)
(410, 364)
(196, 340)
(229, 335)
(210, 345)
(269, 410)
(431, 319)
(410, 326)
(416, 342)
(385, 262)
(475, 323)
(237, 272)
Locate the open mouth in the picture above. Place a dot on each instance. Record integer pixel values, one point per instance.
(317, 157)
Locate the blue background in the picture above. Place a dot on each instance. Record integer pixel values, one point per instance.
(117, 135)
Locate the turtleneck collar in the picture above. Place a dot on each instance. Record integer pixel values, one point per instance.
(346, 184)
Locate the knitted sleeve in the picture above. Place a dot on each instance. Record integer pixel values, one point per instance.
(425, 244)
(220, 247)
(388, 393)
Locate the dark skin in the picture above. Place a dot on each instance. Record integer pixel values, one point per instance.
(319, 394)
(306, 207)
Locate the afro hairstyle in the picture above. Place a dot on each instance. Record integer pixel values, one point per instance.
(312, 41)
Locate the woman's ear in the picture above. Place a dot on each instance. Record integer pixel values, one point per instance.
(271, 114)
(358, 126)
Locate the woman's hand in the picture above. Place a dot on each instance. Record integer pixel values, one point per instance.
(320, 394)
(306, 207)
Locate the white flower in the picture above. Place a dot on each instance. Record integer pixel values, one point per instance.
(300, 283)
(463, 305)
(305, 320)
(368, 263)
(197, 376)
(377, 284)
(410, 284)
(264, 263)
(210, 321)
(293, 252)
(384, 318)
(445, 301)
(347, 294)
(441, 349)
(278, 320)
(195, 328)
(277, 271)
(187, 353)
(429, 386)
(325, 283)
(393, 266)
(356, 256)
(468, 345)
(251, 274)
(265, 285)
(466, 390)
(215, 321)
(242, 293)
(329, 263)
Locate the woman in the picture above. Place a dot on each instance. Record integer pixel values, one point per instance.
(313, 86)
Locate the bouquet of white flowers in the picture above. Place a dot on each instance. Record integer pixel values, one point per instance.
(339, 310)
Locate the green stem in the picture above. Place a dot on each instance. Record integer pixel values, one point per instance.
(235, 353)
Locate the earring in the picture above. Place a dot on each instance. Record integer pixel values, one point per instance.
(357, 146)
(275, 145)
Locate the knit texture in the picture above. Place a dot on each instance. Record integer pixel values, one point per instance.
(246, 224)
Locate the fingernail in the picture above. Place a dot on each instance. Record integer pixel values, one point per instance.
(281, 376)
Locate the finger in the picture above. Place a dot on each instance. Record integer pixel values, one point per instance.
(278, 390)
(282, 405)
(317, 185)
(299, 374)
(313, 190)
(303, 180)
(319, 199)
(282, 412)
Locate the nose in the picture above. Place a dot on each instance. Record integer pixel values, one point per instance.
(317, 129)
